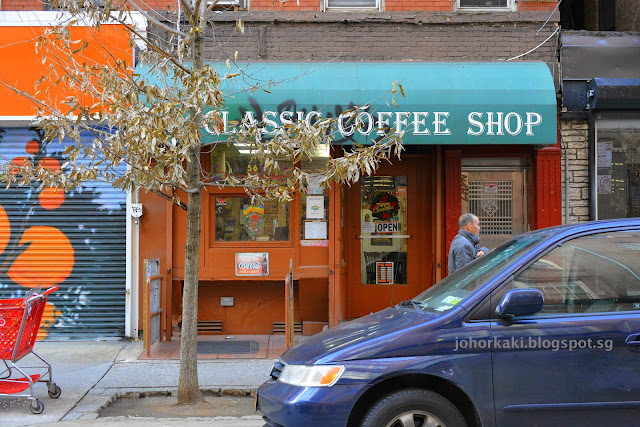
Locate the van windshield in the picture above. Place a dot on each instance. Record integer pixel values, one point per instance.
(454, 289)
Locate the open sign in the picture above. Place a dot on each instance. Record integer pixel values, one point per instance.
(387, 227)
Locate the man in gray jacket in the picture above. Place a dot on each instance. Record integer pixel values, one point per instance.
(465, 247)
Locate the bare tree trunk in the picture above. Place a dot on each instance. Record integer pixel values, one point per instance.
(188, 386)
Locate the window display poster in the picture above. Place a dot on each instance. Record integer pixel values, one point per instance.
(315, 207)
(604, 184)
(314, 230)
(605, 150)
(314, 186)
(252, 264)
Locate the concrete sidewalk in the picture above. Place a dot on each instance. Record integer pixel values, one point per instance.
(93, 373)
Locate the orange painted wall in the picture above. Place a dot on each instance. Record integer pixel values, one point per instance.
(21, 66)
(153, 242)
(259, 301)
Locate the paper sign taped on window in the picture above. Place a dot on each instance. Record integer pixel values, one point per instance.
(384, 273)
(490, 188)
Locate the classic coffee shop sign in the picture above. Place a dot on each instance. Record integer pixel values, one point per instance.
(418, 123)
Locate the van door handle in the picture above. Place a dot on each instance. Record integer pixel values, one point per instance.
(633, 341)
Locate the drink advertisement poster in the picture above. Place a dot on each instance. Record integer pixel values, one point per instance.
(252, 264)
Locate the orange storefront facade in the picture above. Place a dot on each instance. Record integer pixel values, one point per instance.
(356, 249)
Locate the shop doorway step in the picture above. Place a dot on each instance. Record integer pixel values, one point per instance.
(228, 347)
(259, 347)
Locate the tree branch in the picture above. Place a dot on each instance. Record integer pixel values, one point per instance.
(169, 198)
(155, 21)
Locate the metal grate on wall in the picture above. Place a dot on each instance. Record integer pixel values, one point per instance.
(209, 326)
(76, 240)
(279, 328)
(492, 203)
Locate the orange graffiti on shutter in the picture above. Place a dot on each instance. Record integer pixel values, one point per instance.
(51, 198)
(5, 230)
(47, 260)
(32, 147)
(49, 163)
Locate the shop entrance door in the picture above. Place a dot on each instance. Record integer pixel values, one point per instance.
(389, 235)
(499, 199)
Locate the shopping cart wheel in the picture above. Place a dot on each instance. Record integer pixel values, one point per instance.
(54, 391)
(37, 407)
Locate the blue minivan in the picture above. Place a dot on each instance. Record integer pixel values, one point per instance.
(544, 330)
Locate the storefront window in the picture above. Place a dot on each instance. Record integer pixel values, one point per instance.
(618, 168)
(383, 226)
(236, 160)
(238, 220)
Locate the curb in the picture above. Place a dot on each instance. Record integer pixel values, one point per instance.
(89, 407)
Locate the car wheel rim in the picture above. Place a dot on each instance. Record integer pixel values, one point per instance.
(416, 419)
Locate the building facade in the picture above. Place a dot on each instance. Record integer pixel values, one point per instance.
(351, 256)
(480, 81)
(600, 88)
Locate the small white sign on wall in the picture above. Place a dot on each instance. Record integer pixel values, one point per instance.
(315, 207)
(135, 209)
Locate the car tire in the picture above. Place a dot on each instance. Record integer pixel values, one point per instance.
(417, 406)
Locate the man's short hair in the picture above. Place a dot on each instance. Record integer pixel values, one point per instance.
(466, 218)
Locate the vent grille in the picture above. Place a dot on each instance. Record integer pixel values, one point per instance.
(209, 326)
(279, 328)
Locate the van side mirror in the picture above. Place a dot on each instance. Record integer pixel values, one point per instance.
(520, 302)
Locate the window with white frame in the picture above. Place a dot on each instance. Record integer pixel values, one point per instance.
(485, 4)
(352, 4)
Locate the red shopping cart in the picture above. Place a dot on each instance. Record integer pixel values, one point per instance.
(19, 323)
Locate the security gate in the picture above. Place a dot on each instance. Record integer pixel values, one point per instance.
(498, 199)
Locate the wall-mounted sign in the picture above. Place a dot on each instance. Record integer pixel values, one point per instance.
(252, 264)
(384, 273)
(315, 230)
(135, 209)
(315, 207)
(221, 201)
(417, 123)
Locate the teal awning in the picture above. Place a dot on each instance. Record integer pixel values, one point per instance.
(444, 103)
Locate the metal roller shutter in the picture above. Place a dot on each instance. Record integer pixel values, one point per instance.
(76, 240)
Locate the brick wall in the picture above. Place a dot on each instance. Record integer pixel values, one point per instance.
(288, 6)
(419, 5)
(21, 5)
(304, 5)
(575, 137)
(627, 15)
(540, 6)
(382, 37)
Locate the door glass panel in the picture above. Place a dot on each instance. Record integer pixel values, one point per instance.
(383, 230)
